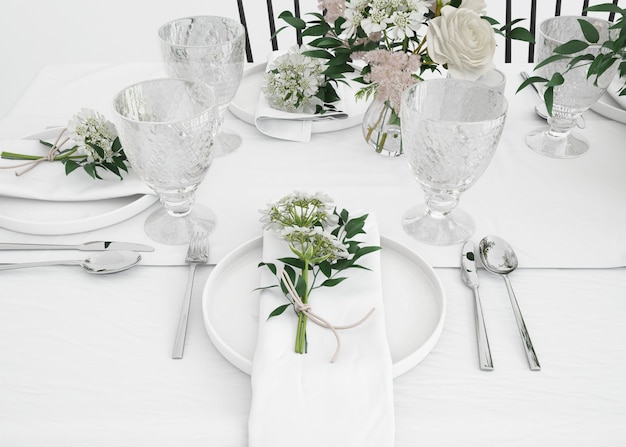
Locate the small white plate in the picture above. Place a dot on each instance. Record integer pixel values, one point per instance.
(608, 107)
(243, 105)
(45, 218)
(414, 298)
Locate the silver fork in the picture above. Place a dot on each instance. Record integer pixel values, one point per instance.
(198, 253)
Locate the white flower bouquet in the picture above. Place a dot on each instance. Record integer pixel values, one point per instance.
(398, 40)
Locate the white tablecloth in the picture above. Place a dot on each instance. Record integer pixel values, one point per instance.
(85, 359)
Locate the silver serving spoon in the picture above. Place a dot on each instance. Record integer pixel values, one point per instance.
(498, 257)
(99, 263)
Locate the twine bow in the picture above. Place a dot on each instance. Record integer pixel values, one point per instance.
(54, 150)
(306, 309)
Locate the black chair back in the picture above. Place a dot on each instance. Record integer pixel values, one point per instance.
(272, 25)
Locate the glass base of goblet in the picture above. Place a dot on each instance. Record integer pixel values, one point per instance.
(164, 228)
(226, 142)
(566, 145)
(438, 229)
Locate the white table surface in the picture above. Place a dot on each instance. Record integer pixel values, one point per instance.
(86, 359)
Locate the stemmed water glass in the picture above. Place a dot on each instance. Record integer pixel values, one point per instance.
(578, 91)
(167, 128)
(450, 131)
(209, 49)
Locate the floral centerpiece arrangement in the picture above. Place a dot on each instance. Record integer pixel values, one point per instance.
(325, 243)
(388, 45)
(93, 145)
(574, 53)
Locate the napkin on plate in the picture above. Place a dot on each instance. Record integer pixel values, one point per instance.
(48, 181)
(304, 399)
(287, 125)
(613, 92)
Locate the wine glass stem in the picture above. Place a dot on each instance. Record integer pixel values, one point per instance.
(440, 205)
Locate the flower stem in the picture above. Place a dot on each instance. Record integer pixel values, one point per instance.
(300, 347)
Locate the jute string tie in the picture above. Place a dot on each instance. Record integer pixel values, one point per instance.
(306, 310)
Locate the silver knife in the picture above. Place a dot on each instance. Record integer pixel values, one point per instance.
(87, 246)
(470, 278)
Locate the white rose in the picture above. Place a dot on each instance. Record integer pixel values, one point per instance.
(480, 6)
(464, 41)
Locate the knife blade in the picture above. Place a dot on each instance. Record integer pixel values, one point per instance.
(87, 246)
(470, 278)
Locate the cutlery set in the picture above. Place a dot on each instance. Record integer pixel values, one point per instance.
(113, 257)
(497, 257)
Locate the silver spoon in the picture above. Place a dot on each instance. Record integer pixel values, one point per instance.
(498, 257)
(99, 263)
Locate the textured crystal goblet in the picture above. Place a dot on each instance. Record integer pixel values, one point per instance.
(576, 94)
(450, 131)
(167, 128)
(209, 49)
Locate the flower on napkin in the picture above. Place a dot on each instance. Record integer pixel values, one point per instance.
(89, 141)
(293, 81)
(325, 244)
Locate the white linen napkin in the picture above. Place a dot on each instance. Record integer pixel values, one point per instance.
(613, 92)
(48, 181)
(304, 399)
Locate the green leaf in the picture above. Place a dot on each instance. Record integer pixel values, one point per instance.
(607, 7)
(279, 310)
(571, 47)
(589, 31)
(557, 79)
(91, 170)
(530, 80)
(332, 282)
(295, 22)
(70, 165)
(316, 30)
(548, 97)
(521, 34)
(549, 60)
(325, 268)
(320, 54)
(294, 262)
(270, 266)
(326, 42)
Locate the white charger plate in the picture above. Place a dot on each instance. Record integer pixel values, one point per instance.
(608, 107)
(414, 299)
(243, 105)
(43, 217)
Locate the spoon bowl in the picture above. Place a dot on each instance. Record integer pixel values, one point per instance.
(110, 262)
(98, 263)
(499, 257)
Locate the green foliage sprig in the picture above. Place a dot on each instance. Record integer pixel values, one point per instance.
(325, 248)
(574, 52)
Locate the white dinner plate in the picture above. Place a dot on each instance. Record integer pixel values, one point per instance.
(43, 217)
(244, 103)
(608, 107)
(414, 299)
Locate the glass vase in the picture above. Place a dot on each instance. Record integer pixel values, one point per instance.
(381, 128)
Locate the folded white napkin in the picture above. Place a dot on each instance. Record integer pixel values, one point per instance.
(613, 92)
(304, 399)
(295, 126)
(48, 181)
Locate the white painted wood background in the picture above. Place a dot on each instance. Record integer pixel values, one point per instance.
(39, 32)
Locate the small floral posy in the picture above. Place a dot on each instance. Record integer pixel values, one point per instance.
(94, 144)
(325, 244)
